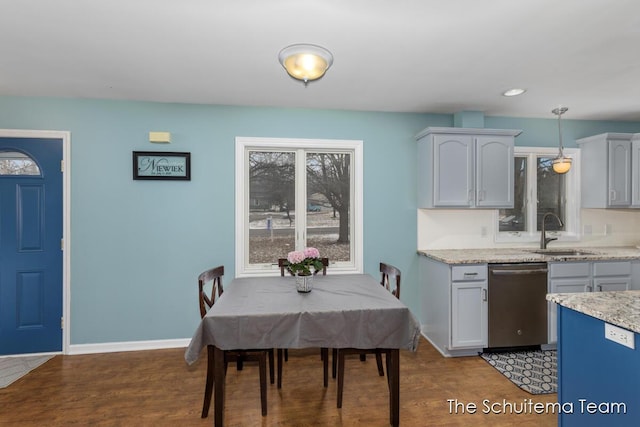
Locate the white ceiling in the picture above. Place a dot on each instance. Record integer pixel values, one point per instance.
(434, 56)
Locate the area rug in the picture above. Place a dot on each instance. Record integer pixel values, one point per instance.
(533, 371)
(13, 368)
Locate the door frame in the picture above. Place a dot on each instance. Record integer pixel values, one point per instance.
(65, 136)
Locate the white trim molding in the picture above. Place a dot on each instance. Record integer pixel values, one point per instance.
(572, 201)
(113, 347)
(244, 144)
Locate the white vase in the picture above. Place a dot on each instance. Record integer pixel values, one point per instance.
(304, 284)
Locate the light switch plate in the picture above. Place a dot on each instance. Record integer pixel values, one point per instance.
(619, 335)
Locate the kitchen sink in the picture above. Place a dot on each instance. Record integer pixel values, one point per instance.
(562, 252)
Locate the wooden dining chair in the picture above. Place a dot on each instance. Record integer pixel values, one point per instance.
(388, 273)
(206, 302)
(283, 263)
(213, 278)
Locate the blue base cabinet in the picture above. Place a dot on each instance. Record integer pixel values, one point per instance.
(598, 379)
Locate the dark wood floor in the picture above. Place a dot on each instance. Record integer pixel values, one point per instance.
(157, 388)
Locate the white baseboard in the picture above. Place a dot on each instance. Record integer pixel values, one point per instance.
(452, 353)
(112, 347)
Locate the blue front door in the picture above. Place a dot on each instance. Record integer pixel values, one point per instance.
(30, 245)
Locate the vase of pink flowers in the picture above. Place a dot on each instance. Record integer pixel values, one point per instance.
(303, 264)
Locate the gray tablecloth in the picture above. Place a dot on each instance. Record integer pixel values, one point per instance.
(350, 310)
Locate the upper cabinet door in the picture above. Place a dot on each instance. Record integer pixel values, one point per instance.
(619, 173)
(605, 170)
(635, 172)
(494, 171)
(465, 168)
(453, 171)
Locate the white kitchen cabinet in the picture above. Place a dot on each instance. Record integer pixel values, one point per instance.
(607, 179)
(494, 171)
(611, 276)
(619, 173)
(469, 306)
(567, 286)
(635, 171)
(565, 277)
(596, 276)
(454, 306)
(465, 168)
(612, 284)
(452, 167)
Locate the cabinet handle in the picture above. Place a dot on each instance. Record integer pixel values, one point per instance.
(518, 272)
(481, 195)
(485, 296)
(589, 288)
(471, 196)
(599, 287)
(613, 195)
(470, 274)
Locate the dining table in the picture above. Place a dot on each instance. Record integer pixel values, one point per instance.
(341, 311)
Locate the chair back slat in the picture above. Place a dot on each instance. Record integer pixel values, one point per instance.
(207, 297)
(283, 264)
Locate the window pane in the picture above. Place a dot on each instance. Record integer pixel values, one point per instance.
(15, 163)
(551, 195)
(271, 206)
(516, 219)
(329, 204)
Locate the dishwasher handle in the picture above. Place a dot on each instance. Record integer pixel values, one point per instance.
(514, 272)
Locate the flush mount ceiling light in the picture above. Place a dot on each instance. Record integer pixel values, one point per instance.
(305, 62)
(561, 164)
(513, 92)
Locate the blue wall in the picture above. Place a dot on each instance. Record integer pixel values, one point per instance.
(544, 132)
(138, 246)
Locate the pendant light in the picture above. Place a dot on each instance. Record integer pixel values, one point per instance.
(561, 164)
(305, 62)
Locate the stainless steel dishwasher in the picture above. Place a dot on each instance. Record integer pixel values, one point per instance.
(517, 305)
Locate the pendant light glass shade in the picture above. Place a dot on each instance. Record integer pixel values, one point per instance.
(305, 62)
(561, 164)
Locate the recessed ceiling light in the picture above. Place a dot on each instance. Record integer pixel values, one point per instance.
(514, 92)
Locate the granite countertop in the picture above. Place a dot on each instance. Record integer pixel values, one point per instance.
(620, 308)
(507, 255)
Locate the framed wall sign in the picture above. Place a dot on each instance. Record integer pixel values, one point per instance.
(161, 165)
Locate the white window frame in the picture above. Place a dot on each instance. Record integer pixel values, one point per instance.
(246, 144)
(572, 202)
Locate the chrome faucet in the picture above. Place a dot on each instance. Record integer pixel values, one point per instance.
(543, 234)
